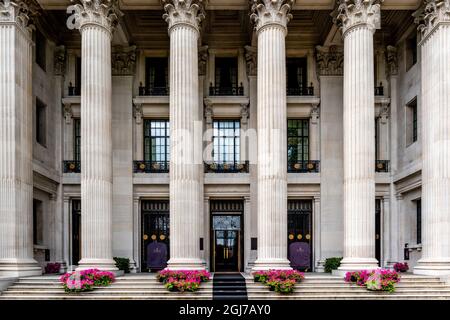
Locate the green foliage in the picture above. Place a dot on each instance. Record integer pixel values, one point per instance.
(332, 264)
(123, 264)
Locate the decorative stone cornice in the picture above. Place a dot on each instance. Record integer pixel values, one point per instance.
(354, 13)
(391, 61)
(315, 114)
(19, 12)
(138, 113)
(251, 59)
(330, 61)
(430, 15)
(59, 61)
(103, 13)
(245, 114)
(68, 114)
(208, 111)
(270, 12)
(123, 60)
(202, 60)
(184, 12)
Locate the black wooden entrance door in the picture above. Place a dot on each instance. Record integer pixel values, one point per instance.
(76, 231)
(227, 250)
(378, 230)
(300, 234)
(155, 230)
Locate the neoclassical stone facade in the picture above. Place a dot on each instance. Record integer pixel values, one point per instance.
(239, 136)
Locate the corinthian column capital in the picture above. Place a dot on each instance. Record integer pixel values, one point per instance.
(354, 13)
(103, 13)
(431, 14)
(184, 12)
(19, 12)
(270, 12)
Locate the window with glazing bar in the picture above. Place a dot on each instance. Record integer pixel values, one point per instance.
(156, 75)
(226, 141)
(157, 141)
(298, 140)
(226, 73)
(76, 139)
(296, 73)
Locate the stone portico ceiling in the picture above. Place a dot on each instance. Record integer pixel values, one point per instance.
(236, 4)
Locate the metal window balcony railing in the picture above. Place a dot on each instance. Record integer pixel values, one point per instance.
(73, 91)
(226, 167)
(153, 91)
(71, 166)
(382, 166)
(226, 91)
(303, 166)
(379, 91)
(140, 166)
(300, 91)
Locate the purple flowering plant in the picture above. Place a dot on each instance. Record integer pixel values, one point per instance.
(401, 267)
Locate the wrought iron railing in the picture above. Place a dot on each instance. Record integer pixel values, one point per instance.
(228, 167)
(300, 91)
(71, 166)
(379, 91)
(304, 166)
(73, 91)
(382, 166)
(140, 166)
(153, 91)
(226, 91)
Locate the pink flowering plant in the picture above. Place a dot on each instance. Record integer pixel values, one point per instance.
(401, 267)
(282, 281)
(375, 280)
(86, 280)
(183, 280)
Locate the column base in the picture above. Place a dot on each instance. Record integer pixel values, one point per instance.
(433, 267)
(271, 264)
(356, 264)
(19, 268)
(101, 264)
(185, 264)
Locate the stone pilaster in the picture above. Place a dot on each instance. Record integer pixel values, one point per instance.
(16, 173)
(96, 20)
(271, 19)
(434, 27)
(183, 19)
(358, 20)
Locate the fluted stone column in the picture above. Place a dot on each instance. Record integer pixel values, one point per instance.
(358, 20)
(183, 19)
(16, 173)
(96, 20)
(271, 18)
(435, 48)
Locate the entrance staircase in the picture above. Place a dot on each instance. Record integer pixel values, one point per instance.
(319, 286)
(146, 287)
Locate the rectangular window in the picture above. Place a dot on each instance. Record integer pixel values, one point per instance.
(298, 140)
(40, 49)
(226, 141)
(226, 72)
(411, 121)
(41, 123)
(37, 222)
(419, 221)
(157, 141)
(76, 139)
(156, 75)
(296, 76)
(411, 51)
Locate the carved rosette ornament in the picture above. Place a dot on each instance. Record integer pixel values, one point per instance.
(19, 12)
(251, 59)
(184, 12)
(271, 12)
(103, 13)
(123, 60)
(330, 61)
(358, 13)
(431, 14)
(391, 61)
